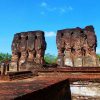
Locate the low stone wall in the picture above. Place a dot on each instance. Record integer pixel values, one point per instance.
(85, 90)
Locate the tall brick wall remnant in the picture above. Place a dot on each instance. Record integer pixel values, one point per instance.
(28, 47)
(77, 47)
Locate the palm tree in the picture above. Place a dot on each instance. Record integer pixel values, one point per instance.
(5, 57)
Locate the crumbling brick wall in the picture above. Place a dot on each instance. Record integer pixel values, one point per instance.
(28, 47)
(77, 47)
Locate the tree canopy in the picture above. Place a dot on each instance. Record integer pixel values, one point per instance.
(50, 58)
(5, 57)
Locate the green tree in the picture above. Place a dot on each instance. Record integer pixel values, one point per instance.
(5, 57)
(98, 55)
(50, 58)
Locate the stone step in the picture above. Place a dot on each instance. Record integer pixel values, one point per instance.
(72, 69)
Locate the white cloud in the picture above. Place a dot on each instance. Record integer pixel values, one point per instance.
(43, 4)
(49, 8)
(50, 34)
(65, 9)
(62, 10)
(70, 8)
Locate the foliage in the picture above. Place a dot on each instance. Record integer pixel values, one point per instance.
(98, 55)
(51, 59)
(5, 57)
(48, 57)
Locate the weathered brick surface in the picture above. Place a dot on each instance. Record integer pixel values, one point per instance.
(28, 49)
(38, 89)
(77, 47)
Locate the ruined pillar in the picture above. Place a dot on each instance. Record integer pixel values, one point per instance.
(23, 48)
(15, 52)
(90, 58)
(4, 66)
(77, 47)
(31, 46)
(68, 61)
(63, 40)
(40, 46)
(3, 69)
(77, 54)
(28, 50)
(60, 47)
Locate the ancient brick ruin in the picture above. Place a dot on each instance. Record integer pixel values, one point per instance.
(27, 76)
(28, 47)
(77, 47)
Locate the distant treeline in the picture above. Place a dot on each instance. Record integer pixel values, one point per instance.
(49, 58)
(98, 55)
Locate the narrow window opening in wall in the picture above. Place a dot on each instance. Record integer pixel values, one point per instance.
(63, 50)
(72, 50)
(26, 37)
(82, 31)
(62, 34)
(19, 54)
(35, 37)
(19, 37)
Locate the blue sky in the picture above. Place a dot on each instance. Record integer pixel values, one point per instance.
(47, 15)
